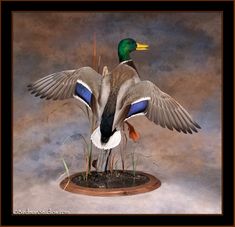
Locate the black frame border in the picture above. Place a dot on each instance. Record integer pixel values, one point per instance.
(7, 218)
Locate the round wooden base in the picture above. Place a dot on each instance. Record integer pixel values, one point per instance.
(151, 185)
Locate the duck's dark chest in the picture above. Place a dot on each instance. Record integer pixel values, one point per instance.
(108, 118)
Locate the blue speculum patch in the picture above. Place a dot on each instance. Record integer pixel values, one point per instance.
(138, 107)
(82, 92)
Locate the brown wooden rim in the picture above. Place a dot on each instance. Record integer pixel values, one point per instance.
(152, 184)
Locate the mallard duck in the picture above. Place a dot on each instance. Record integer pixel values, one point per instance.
(116, 97)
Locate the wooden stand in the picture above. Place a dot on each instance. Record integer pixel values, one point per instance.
(69, 186)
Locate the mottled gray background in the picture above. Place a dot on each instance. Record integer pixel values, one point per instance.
(184, 60)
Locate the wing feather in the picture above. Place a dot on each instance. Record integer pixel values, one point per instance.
(44, 81)
(172, 119)
(185, 121)
(168, 121)
(62, 85)
(161, 116)
(162, 108)
(45, 85)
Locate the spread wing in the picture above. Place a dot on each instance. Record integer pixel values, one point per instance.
(146, 98)
(83, 84)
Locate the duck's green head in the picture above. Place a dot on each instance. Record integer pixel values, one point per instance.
(126, 46)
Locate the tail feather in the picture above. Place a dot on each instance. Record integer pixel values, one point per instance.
(113, 141)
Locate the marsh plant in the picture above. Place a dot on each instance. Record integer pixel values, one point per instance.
(101, 163)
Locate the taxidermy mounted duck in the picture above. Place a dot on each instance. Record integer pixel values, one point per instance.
(116, 97)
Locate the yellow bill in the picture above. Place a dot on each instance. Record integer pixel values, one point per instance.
(142, 46)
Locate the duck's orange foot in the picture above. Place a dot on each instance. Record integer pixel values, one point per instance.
(133, 134)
